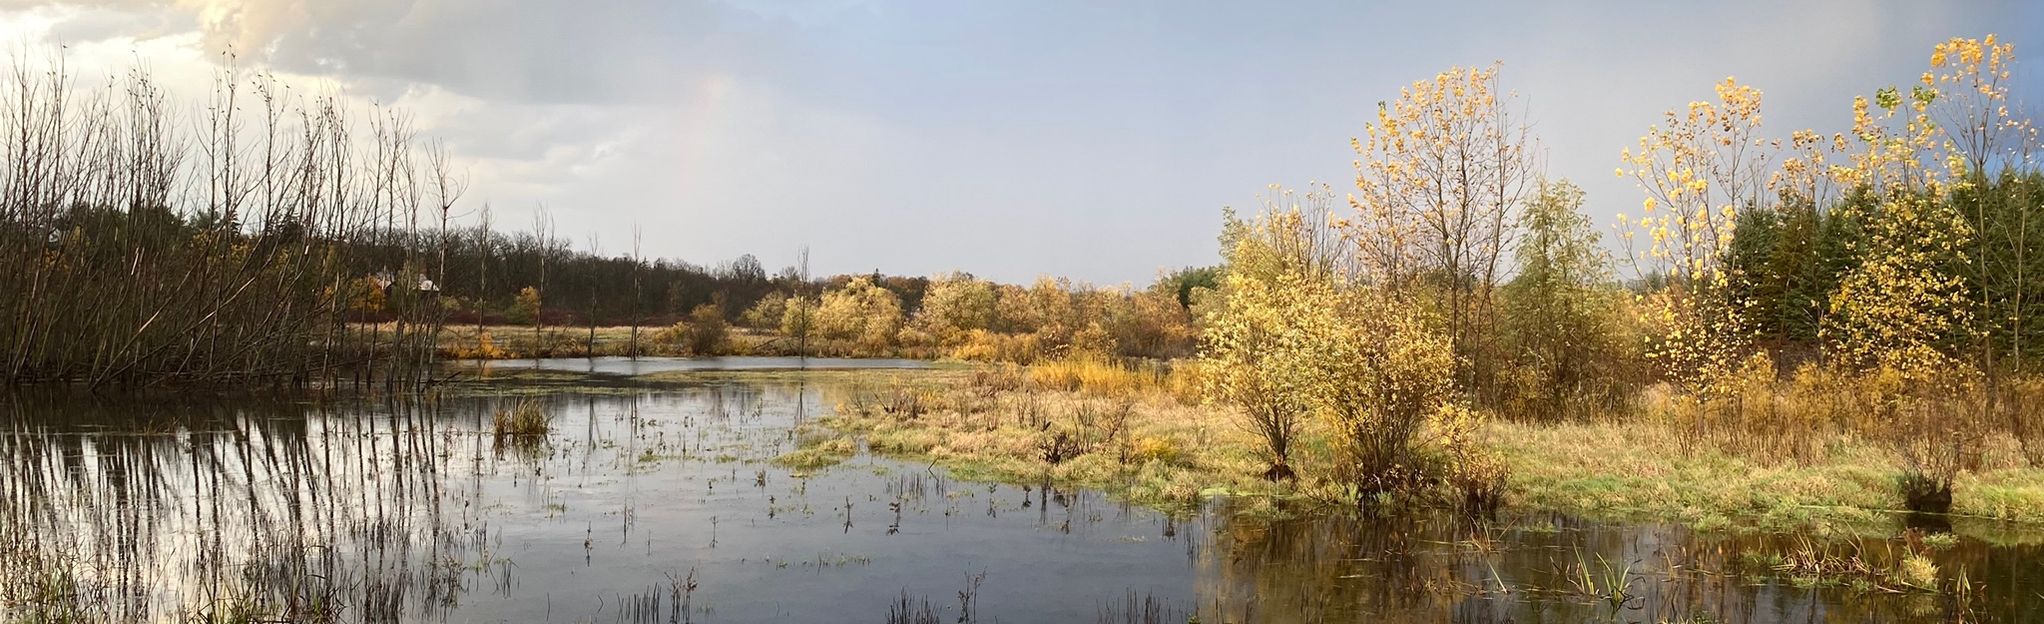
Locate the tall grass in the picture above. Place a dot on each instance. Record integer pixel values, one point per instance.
(1937, 431)
(1102, 376)
(527, 417)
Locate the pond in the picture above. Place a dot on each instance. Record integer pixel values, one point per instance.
(662, 505)
(623, 366)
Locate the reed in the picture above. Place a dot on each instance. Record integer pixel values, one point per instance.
(524, 418)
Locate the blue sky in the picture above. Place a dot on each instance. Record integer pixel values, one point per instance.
(1094, 140)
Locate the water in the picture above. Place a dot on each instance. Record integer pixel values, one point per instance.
(160, 509)
(628, 367)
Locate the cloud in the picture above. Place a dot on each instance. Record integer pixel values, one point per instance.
(1004, 137)
(548, 52)
(545, 52)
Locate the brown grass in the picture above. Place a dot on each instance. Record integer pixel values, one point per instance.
(526, 417)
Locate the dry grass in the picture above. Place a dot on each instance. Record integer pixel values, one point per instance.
(495, 342)
(995, 422)
(1646, 470)
(984, 346)
(1103, 377)
(818, 453)
(526, 417)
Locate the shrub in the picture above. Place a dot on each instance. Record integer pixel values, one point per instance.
(525, 309)
(706, 331)
(956, 306)
(1384, 381)
(862, 312)
(1150, 448)
(767, 313)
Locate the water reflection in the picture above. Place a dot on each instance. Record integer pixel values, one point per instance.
(659, 506)
(623, 366)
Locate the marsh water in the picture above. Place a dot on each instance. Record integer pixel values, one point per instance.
(631, 367)
(661, 504)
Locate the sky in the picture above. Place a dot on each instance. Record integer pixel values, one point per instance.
(1007, 138)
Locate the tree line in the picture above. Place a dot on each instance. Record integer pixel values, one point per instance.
(1877, 281)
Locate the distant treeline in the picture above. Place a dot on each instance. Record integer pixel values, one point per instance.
(486, 272)
(273, 237)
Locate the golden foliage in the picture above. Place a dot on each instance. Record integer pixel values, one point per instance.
(1439, 174)
(1292, 339)
(526, 306)
(982, 345)
(861, 311)
(1697, 171)
(1901, 307)
(1256, 352)
(954, 307)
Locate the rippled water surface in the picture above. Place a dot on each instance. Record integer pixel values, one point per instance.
(623, 366)
(660, 505)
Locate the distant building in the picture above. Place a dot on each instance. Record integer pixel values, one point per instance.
(383, 280)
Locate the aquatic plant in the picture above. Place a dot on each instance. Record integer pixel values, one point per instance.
(522, 418)
(1604, 581)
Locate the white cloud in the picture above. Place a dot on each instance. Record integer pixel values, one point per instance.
(1006, 139)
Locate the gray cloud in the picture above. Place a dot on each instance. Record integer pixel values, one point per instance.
(1006, 138)
(549, 52)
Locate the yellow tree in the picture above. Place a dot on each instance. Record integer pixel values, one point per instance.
(1698, 171)
(1968, 99)
(1904, 313)
(1253, 356)
(526, 306)
(956, 305)
(1971, 105)
(1438, 175)
(1255, 349)
(1901, 304)
(1904, 304)
(861, 311)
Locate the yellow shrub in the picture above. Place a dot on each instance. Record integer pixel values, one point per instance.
(484, 349)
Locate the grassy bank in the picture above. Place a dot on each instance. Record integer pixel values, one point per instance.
(1140, 440)
(1643, 471)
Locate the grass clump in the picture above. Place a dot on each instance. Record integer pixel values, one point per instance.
(818, 454)
(1099, 376)
(998, 424)
(1890, 565)
(524, 418)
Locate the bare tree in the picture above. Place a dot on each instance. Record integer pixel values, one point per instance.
(638, 295)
